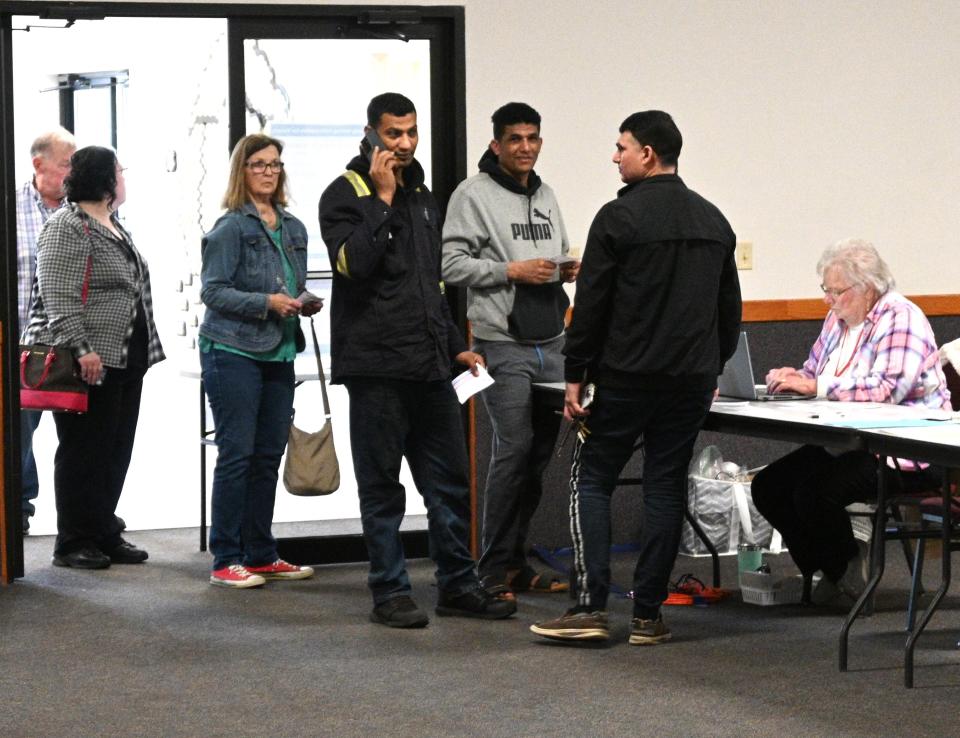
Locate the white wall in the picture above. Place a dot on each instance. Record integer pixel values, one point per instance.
(805, 122)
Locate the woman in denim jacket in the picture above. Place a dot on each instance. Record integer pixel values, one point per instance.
(254, 263)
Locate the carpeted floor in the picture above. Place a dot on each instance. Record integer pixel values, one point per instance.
(153, 650)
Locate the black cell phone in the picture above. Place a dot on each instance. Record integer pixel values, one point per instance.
(370, 141)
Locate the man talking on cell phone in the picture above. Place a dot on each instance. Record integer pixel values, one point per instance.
(393, 342)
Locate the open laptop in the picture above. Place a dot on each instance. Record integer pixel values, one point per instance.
(737, 379)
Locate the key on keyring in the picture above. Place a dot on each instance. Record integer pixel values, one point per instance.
(582, 432)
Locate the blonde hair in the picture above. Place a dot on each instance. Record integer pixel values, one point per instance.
(237, 195)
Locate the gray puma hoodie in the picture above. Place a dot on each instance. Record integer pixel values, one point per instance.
(491, 220)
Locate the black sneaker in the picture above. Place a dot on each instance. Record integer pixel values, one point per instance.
(575, 625)
(126, 553)
(84, 558)
(475, 603)
(399, 612)
(648, 632)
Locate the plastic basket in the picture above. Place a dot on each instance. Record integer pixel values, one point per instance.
(758, 588)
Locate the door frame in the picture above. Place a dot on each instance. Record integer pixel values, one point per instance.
(444, 25)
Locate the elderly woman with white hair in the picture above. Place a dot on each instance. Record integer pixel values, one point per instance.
(875, 346)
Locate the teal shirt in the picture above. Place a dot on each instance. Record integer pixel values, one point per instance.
(286, 350)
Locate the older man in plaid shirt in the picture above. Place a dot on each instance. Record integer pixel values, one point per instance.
(37, 200)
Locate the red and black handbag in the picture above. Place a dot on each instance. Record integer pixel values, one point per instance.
(50, 380)
(50, 375)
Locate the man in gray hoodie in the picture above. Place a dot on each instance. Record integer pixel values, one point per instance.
(504, 239)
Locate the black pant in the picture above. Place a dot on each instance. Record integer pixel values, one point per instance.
(804, 496)
(91, 462)
(393, 419)
(669, 423)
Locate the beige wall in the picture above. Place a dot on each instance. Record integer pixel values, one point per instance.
(804, 121)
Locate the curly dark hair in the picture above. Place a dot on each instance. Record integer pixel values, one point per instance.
(93, 175)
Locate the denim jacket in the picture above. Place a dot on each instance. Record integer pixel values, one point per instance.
(241, 268)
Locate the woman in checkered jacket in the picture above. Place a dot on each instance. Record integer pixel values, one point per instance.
(94, 296)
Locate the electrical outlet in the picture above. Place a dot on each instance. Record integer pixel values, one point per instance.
(744, 255)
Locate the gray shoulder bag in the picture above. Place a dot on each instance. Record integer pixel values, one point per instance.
(311, 467)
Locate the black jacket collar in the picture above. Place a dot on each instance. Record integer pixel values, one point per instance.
(650, 181)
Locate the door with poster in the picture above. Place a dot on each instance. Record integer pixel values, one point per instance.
(308, 85)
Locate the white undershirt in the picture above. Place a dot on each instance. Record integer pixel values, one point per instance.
(841, 358)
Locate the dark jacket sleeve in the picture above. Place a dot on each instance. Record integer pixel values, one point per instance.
(355, 229)
(729, 309)
(596, 283)
(455, 342)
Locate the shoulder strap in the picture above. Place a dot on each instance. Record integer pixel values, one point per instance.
(323, 381)
(86, 276)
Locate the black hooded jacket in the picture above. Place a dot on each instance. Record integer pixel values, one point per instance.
(389, 315)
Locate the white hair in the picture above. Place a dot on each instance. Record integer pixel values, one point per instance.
(860, 263)
(43, 144)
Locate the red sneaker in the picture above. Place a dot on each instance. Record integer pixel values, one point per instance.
(236, 576)
(280, 569)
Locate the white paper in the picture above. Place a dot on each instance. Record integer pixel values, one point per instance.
(466, 385)
(306, 297)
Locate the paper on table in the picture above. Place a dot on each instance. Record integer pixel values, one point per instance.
(466, 385)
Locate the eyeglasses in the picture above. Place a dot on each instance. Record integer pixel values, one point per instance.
(834, 293)
(259, 167)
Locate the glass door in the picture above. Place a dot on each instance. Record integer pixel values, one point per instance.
(308, 85)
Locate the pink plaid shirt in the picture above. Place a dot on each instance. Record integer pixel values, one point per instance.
(897, 361)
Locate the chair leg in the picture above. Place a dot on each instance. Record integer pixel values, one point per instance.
(908, 555)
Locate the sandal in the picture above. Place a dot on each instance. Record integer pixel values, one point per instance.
(530, 580)
(498, 591)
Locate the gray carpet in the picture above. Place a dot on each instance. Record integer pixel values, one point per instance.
(153, 650)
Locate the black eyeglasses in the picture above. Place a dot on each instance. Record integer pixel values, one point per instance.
(834, 293)
(259, 167)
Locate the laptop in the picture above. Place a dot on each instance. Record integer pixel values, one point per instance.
(737, 379)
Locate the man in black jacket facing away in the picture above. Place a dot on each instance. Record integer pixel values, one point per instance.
(656, 316)
(393, 344)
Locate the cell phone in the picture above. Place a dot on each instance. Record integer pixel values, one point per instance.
(370, 141)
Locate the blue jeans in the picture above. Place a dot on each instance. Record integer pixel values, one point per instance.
(523, 441)
(252, 404)
(30, 482)
(668, 422)
(391, 419)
